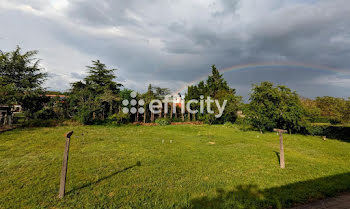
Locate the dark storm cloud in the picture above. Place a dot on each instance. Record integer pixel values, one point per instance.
(173, 42)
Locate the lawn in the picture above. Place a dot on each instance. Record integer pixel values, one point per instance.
(183, 166)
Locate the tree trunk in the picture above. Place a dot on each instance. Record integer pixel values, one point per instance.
(152, 117)
(188, 116)
(144, 116)
(171, 112)
(137, 114)
(193, 117)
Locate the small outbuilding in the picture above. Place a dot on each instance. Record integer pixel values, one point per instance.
(6, 115)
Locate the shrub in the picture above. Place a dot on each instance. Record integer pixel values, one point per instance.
(334, 132)
(84, 116)
(241, 121)
(319, 120)
(335, 121)
(45, 114)
(315, 130)
(163, 121)
(119, 118)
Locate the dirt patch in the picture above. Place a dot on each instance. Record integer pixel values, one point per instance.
(173, 123)
(187, 123)
(6, 128)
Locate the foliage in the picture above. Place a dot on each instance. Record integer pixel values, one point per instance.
(163, 121)
(331, 107)
(7, 93)
(333, 132)
(216, 88)
(335, 121)
(20, 80)
(95, 98)
(319, 119)
(275, 107)
(119, 118)
(327, 109)
(312, 111)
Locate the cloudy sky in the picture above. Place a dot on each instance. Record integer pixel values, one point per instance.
(171, 43)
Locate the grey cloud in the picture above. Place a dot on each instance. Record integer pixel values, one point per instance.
(176, 42)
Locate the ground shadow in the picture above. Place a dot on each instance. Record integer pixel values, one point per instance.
(250, 196)
(278, 157)
(103, 178)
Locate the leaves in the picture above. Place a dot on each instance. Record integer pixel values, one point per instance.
(275, 107)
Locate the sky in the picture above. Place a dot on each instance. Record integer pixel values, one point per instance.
(172, 43)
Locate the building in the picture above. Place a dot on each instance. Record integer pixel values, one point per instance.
(6, 115)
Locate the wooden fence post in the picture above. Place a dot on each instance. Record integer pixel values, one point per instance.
(281, 131)
(64, 166)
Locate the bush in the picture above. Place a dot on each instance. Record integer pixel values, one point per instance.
(119, 118)
(45, 114)
(228, 124)
(319, 120)
(335, 121)
(84, 116)
(315, 130)
(334, 132)
(241, 121)
(163, 121)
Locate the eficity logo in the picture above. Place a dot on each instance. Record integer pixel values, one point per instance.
(133, 106)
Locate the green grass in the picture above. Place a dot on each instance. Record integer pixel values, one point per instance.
(240, 170)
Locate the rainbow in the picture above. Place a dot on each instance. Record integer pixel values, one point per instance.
(284, 66)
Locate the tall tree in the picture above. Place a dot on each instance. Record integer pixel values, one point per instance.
(217, 88)
(100, 78)
(97, 96)
(216, 82)
(21, 73)
(275, 107)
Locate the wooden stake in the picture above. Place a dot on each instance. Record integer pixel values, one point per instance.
(64, 166)
(280, 131)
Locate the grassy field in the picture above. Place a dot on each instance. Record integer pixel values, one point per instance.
(168, 167)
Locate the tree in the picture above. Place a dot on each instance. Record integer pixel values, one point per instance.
(275, 107)
(312, 112)
(217, 88)
(97, 97)
(346, 115)
(100, 78)
(215, 82)
(21, 74)
(331, 107)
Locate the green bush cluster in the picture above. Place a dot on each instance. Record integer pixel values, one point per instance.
(319, 119)
(335, 121)
(163, 121)
(334, 132)
(119, 118)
